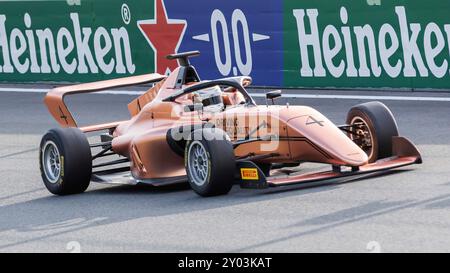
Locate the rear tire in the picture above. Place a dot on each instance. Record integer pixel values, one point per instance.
(376, 127)
(210, 162)
(65, 161)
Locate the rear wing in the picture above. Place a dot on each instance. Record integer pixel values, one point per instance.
(58, 109)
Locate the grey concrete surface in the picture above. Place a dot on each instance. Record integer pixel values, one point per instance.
(401, 211)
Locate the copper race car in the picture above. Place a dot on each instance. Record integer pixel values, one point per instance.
(212, 135)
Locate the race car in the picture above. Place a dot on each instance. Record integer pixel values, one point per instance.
(212, 135)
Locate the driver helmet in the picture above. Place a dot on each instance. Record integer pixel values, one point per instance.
(211, 98)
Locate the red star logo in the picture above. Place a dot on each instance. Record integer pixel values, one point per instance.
(164, 35)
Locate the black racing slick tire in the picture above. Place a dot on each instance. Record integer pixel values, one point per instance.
(65, 161)
(372, 127)
(210, 162)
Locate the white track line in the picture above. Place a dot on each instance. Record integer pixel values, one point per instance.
(261, 95)
(359, 97)
(24, 90)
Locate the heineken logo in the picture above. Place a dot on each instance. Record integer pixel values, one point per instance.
(408, 49)
(335, 44)
(72, 49)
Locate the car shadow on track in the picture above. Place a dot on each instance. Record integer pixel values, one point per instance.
(55, 215)
(51, 216)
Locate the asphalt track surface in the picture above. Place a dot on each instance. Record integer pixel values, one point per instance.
(400, 211)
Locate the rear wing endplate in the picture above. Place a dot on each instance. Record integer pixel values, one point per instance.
(58, 109)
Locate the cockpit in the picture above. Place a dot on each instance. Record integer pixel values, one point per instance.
(184, 86)
(210, 98)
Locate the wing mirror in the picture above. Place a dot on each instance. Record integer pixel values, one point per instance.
(193, 107)
(272, 95)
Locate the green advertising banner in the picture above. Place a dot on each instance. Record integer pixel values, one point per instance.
(291, 43)
(72, 41)
(367, 43)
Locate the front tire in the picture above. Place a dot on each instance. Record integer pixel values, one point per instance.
(65, 161)
(372, 126)
(210, 162)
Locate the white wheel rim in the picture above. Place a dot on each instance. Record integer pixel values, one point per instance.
(358, 119)
(51, 162)
(198, 163)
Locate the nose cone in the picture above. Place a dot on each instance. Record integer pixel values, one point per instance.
(323, 133)
(357, 159)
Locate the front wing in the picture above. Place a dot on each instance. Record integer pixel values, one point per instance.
(404, 154)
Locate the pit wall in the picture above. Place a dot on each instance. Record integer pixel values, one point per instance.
(307, 44)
